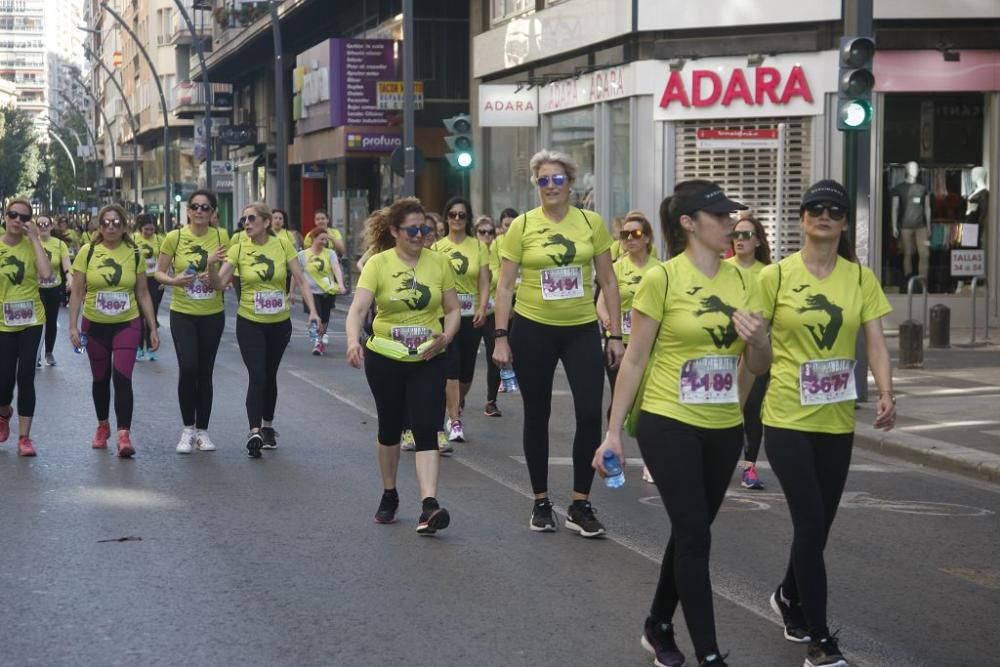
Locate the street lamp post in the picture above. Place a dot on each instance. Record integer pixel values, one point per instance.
(72, 162)
(163, 103)
(206, 87)
(131, 118)
(281, 119)
(107, 125)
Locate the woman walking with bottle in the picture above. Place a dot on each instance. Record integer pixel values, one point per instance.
(325, 279)
(51, 289)
(486, 233)
(148, 241)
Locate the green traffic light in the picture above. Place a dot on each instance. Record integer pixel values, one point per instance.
(464, 160)
(856, 114)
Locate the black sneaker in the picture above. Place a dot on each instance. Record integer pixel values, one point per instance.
(791, 616)
(491, 409)
(824, 653)
(658, 639)
(433, 518)
(580, 519)
(387, 507)
(254, 444)
(268, 435)
(542, 518)
(714, 660)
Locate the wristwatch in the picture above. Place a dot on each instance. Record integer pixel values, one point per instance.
(499, 333)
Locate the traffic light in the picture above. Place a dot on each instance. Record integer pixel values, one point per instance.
(855, 84)
(459, 141)
(178, 192)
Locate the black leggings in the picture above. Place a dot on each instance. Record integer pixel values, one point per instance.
(18, 350)
(492, 372)
(692, 467)
(812, 469)
(51, 300)
(111, 351)
(753, 428)
(462, 352)
(407, 394)
(612, 374)
(262, 346)
(156, 294)
(324, 304)
(196, 341)
(536, 349)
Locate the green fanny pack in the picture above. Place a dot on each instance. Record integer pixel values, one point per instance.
(395, 350)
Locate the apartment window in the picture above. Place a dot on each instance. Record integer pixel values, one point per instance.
(505, 9)
(164, 20)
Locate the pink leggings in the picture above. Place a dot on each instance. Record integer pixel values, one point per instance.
(112, 345)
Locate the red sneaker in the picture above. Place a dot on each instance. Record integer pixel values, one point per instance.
(24, 446)
(125, 448)
(5, 427)
(101, 437)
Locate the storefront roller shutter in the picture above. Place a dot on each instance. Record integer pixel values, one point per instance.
(751, 175)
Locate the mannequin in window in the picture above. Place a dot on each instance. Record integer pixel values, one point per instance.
(976, 209)
(911, 221)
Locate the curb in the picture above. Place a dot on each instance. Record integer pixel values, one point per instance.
(966, 461)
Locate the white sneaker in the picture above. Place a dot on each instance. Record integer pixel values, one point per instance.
(647, 476)
(186, 444)
(325, 339)
(204, 442)
(408, 444)
(456, 432)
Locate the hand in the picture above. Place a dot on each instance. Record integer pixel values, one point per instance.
(479, 319)
(314, 319)
(614, 353)
(74, 337)
(218, 256)
(355, 357)
(750, 327)
(501, 353)
(154, 340)
(440, 343)
(606, 323)
(341, 290)
(161, 287)
(612, 443)
(31, 229)
(183, 280)
(885, 413)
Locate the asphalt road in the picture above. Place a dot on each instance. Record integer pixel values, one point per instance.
(277, 561)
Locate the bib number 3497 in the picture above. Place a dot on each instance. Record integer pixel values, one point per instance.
(827, 381)
(709, 380)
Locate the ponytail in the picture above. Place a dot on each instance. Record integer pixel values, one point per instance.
(670, 222)
(845, 248)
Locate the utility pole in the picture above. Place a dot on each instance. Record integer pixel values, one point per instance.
(199, 48)
(281, 115)
(409, 117)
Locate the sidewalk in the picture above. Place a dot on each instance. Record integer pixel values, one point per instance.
(948, 411)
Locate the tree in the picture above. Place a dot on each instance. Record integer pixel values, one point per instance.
(19, 153)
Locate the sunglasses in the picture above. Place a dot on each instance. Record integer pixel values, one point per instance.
(558, 180)
(247, 219)
(204, 208)
(742, 236)
(633, 234)
(457, 215)
(112, 222)
(413, 230)
(486, 232)
(14, 215)
(836, 212)
(44, 225)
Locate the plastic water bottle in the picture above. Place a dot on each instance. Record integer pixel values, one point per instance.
(314, 332)
(509, 380)
(616, 475)
(190, 270)
(83, 344)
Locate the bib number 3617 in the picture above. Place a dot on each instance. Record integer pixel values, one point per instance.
(709, 380)
(827, 381)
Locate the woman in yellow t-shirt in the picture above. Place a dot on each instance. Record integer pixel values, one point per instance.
(818, 300)
(109, 282)
(197, 319)
(417, 316)
(23, 263)
(693, 317)
(556, 247)
(325, 278)
(321, 221)
(279, 225)
(148, 242)
(469, 258)
(751, 253)
(263, 327)
(51, 290)
(486, 232)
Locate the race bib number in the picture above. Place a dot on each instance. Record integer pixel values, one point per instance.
(709, 380)
(411, 337)
(269, 303)
(199, 290)
(562, 283)
(18, 313)
(112, 303)
(465, 305)
(827, 381)
(626, 322)
(150, 266)
(52, 281)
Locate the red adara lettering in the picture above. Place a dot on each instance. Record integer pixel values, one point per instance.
(708, 89)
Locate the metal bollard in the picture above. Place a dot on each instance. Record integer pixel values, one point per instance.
(911, 344)
(940, 327)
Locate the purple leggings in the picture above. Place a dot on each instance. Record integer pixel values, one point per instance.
(112, 345)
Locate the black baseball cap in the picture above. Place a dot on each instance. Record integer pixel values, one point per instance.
(826, 191)
(710, 199)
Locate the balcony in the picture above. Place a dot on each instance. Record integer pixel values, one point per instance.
(123, 154)
(202, 20)
(189, 99)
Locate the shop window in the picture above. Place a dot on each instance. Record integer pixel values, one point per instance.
(572, 133)
(509, 176)
(620, 152)
(943, 136)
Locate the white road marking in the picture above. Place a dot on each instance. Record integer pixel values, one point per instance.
(935, 426)
(920, 391)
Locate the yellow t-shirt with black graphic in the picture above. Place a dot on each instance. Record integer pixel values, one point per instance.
(111, 278)
(629, 275)
(617, 252)
(55, 249)
(150, 251)
(319, 270)
(753, 271)
(466, 258)
(262, 278)
(556, 260)
(22, 305)
(814, 320)
(185, 249)
(697, 346)
(408, 300)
